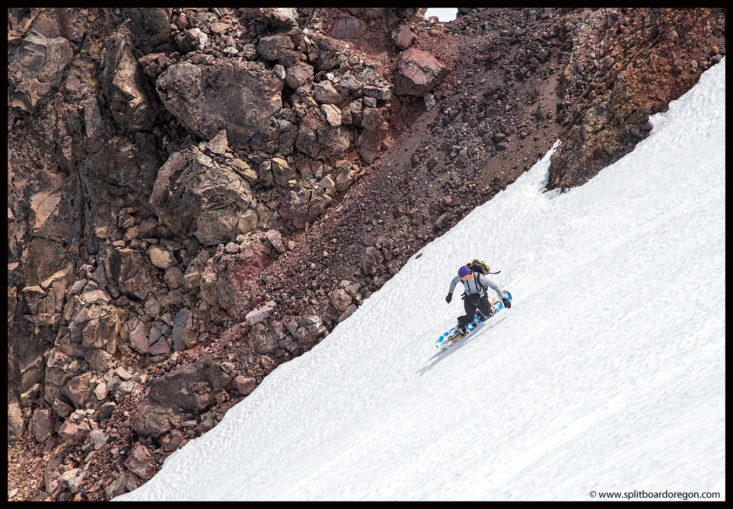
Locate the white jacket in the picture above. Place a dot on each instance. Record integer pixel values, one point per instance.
(472, 286)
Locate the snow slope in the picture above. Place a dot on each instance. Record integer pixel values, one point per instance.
(444, 14)
(606, 375)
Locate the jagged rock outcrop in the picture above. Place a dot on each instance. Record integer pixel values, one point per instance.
(36, 65)
(607, 92)
(130, 97)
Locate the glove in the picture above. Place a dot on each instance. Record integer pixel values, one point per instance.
(448, 297)
(507, 304)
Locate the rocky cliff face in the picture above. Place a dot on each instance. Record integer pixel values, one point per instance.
(198, 195)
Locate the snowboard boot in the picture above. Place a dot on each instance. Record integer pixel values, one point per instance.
(460, 332)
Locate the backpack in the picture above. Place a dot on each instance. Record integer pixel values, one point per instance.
(479, 266)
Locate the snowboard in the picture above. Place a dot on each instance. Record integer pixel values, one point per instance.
(444, 341)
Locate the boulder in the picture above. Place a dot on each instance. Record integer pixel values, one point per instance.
(232, 95)
(298, 74)
(340, 299)
(348, 27)
(276, 240)
(42, 424)
(219, 143)
(417, 72)
(269, 47)
(403, 37)
(334, 140)
(325, 93)
(74, 432)
(229, 286)
(73, 478)
(98, 438)
(150, 27)
(307, 328)
(128, 269)
(141, 462)
(303, 205)
(245, 385)
(79, 389)
(196, 196)
(282, 173)
(16, 423)
(173, 277)
(139, 337)
(177, 393)
(332, 113)
(374, 134)
(100, 330)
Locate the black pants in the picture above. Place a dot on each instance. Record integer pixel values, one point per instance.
(484, 305)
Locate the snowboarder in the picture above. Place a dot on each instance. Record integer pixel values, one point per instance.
(474, 296)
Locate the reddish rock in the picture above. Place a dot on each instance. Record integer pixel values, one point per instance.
(417, 72)
(73, 432)
(245, 385)
(404, 37)
(141, 462)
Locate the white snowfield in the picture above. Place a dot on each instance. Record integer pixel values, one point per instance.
(444, 14)
(606, 375)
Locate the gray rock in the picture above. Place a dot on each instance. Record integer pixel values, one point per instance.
(275, 238)
(260, 314)
(79, 390)
(73, 432)
(42, 424)
(106, 409)
(173, 277)
(371, 260)
(403, 37)
(16, 423)
(161, 258)
(73, 479)
(340, 299)
(184, 336)
(332, 113)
